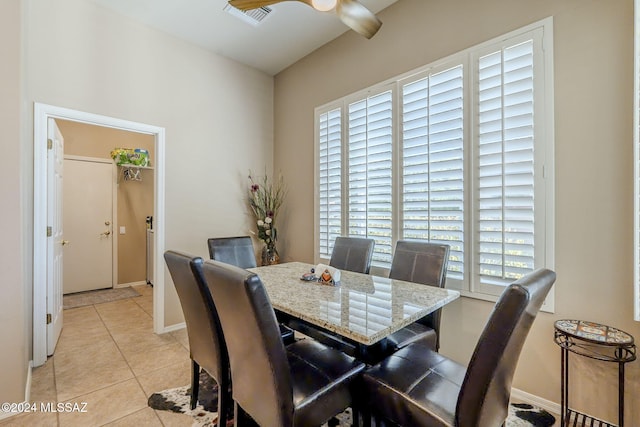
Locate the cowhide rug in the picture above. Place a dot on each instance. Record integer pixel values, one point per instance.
(205, 415)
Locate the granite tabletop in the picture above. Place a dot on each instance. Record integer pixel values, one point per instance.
(362, 307)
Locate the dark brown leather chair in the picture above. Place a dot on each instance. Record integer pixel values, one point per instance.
(304, 384)
(425, 263)
(352, 254)
(238, 251)
(206, 340)
(419, 387)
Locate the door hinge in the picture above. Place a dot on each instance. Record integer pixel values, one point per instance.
(49, 231)
(49, 144)
(48, 318)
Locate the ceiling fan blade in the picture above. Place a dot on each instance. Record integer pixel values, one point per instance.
(254, 4)
(358, 17)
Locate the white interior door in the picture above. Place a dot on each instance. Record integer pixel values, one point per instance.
(55, 240)
(88, 210)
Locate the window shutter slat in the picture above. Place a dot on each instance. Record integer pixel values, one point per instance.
(506, 185)
(330, 180)
(432, 174)
(370, 164)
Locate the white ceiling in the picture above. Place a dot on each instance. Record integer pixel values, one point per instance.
(290, 32)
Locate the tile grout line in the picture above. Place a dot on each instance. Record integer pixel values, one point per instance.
(135, 376)
(55, 384)
(125, 361)
(93, 306)
(155, 412)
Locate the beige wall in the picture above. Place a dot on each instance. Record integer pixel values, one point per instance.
(14, 320)
(135, 198)
(593, 47)
(218, 117)
(218, 114)
(135, 203)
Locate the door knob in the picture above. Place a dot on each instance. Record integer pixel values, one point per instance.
(107, 223)
(105, 233)
(65, 242)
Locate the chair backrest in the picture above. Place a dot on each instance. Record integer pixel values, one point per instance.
(259, 368)
(426, 263)
(484, 395)
(352, 254)
(237, 251)
(206, 340)
(420, 262)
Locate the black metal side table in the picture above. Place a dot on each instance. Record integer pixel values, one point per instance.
(596, 341)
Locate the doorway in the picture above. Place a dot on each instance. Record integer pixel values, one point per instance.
(105, 206)
(43, 295)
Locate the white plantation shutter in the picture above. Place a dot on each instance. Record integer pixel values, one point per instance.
(370, 146)
(330, 179)
(472, 166)
(432, 163)
(506, 164)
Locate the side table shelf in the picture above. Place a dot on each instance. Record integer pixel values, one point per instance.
(595, 341)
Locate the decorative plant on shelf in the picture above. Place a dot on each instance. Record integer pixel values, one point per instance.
(265, 199)
(130, 156)
(121, 155)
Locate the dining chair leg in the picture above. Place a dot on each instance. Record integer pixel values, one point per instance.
(365, 417)
(355, 415)
(195, 383)
(225, 403)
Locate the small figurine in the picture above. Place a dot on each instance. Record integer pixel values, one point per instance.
(310, 277)
(326, 277)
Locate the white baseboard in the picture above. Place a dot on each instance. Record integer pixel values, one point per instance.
(538, 401)
(27, 392)
(176, 327)
(126, 285)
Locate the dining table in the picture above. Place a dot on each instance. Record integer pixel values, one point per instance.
(356, 314)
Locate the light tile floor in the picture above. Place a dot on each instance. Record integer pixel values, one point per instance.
(109, 357)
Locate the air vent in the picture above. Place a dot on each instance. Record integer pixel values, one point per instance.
(253, 16)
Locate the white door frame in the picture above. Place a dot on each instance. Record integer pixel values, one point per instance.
(42, 112)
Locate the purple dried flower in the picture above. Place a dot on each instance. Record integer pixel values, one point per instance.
(270, 214)
(254, 188)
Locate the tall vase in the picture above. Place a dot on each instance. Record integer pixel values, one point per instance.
(270, 255)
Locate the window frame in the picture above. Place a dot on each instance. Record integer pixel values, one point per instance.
(544, 179)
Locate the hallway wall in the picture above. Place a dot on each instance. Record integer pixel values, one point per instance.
(217, 115)
(15, 321)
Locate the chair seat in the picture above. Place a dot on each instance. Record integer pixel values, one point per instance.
(321, 378)
(415, 332)
(427, 400)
